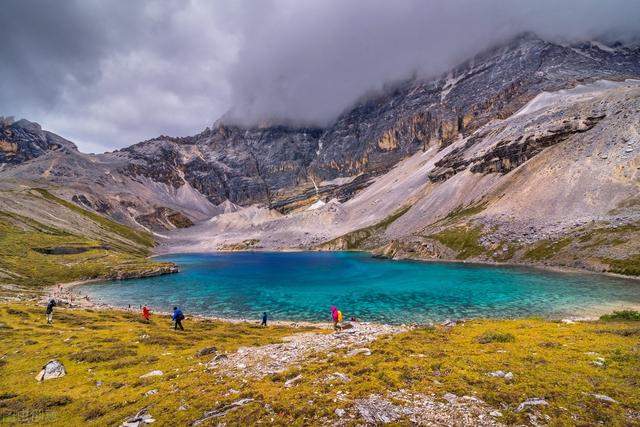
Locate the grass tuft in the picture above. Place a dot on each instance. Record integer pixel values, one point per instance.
(489, 337)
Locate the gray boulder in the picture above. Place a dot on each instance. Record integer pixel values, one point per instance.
(52, 369)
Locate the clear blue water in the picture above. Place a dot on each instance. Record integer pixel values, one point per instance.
(302, 286)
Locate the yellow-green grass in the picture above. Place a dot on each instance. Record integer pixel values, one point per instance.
(21, 263)
(464, 240)
(550, 360)
(546, 249)
(113, 349)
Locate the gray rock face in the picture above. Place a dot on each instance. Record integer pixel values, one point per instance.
(24, 140)
(274, 165)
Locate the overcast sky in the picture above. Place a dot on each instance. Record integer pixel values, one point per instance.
(106, 74)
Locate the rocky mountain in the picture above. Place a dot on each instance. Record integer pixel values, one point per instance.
(287, 167)
(555, 183)
(453, 145)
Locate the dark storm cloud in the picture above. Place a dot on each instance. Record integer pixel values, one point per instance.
(109, 73)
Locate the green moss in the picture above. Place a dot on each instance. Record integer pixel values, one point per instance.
(546, 249)
(464, 240)
(489, 337)
(625, 315)
(627, 266)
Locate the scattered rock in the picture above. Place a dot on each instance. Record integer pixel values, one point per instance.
(339, 412)
(206, 351)
(357, 351)
(182, 408)
(52, 369)
(151, 392)
(534, 401)
(508, 376)
(419, 409)
(376, 410)
(600, 362)
(278, 357)
(216, 413)
(293, 381)
(449, 323)
(142, 418)
(220, 357)
(495, 414)
(155, 373)
(450, 397)
(603, 398)
(98, 383)
(338, 376)
(497, 374)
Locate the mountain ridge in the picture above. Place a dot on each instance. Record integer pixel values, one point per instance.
(168, 183)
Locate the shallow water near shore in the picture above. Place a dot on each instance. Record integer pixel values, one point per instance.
(303, 285)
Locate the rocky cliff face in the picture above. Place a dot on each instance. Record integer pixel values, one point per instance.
(281, 166)
(290, 168)
(23, 140)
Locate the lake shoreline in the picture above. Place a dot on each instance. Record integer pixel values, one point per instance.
(71, 293)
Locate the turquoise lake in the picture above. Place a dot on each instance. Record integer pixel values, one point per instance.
(303, 285)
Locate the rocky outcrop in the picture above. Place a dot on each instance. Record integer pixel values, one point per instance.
(507, 154)
(23, 140)
(163, 218)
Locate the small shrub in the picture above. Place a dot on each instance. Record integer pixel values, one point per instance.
(630, 332)
(489, 337)
(624, 315)
(5, 396)
(18, 313)
(46, 402)
(96, 356)
(550, 344)
(94, 412)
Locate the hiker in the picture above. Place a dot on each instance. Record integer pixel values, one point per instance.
(49, 311)
(336, 315)
(146, 314)
(178, 317)
(264, 319)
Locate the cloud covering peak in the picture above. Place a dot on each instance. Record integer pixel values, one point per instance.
(106, 74)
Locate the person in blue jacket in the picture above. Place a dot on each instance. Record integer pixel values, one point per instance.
(177, 317)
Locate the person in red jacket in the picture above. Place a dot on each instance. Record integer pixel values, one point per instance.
(146, 314)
